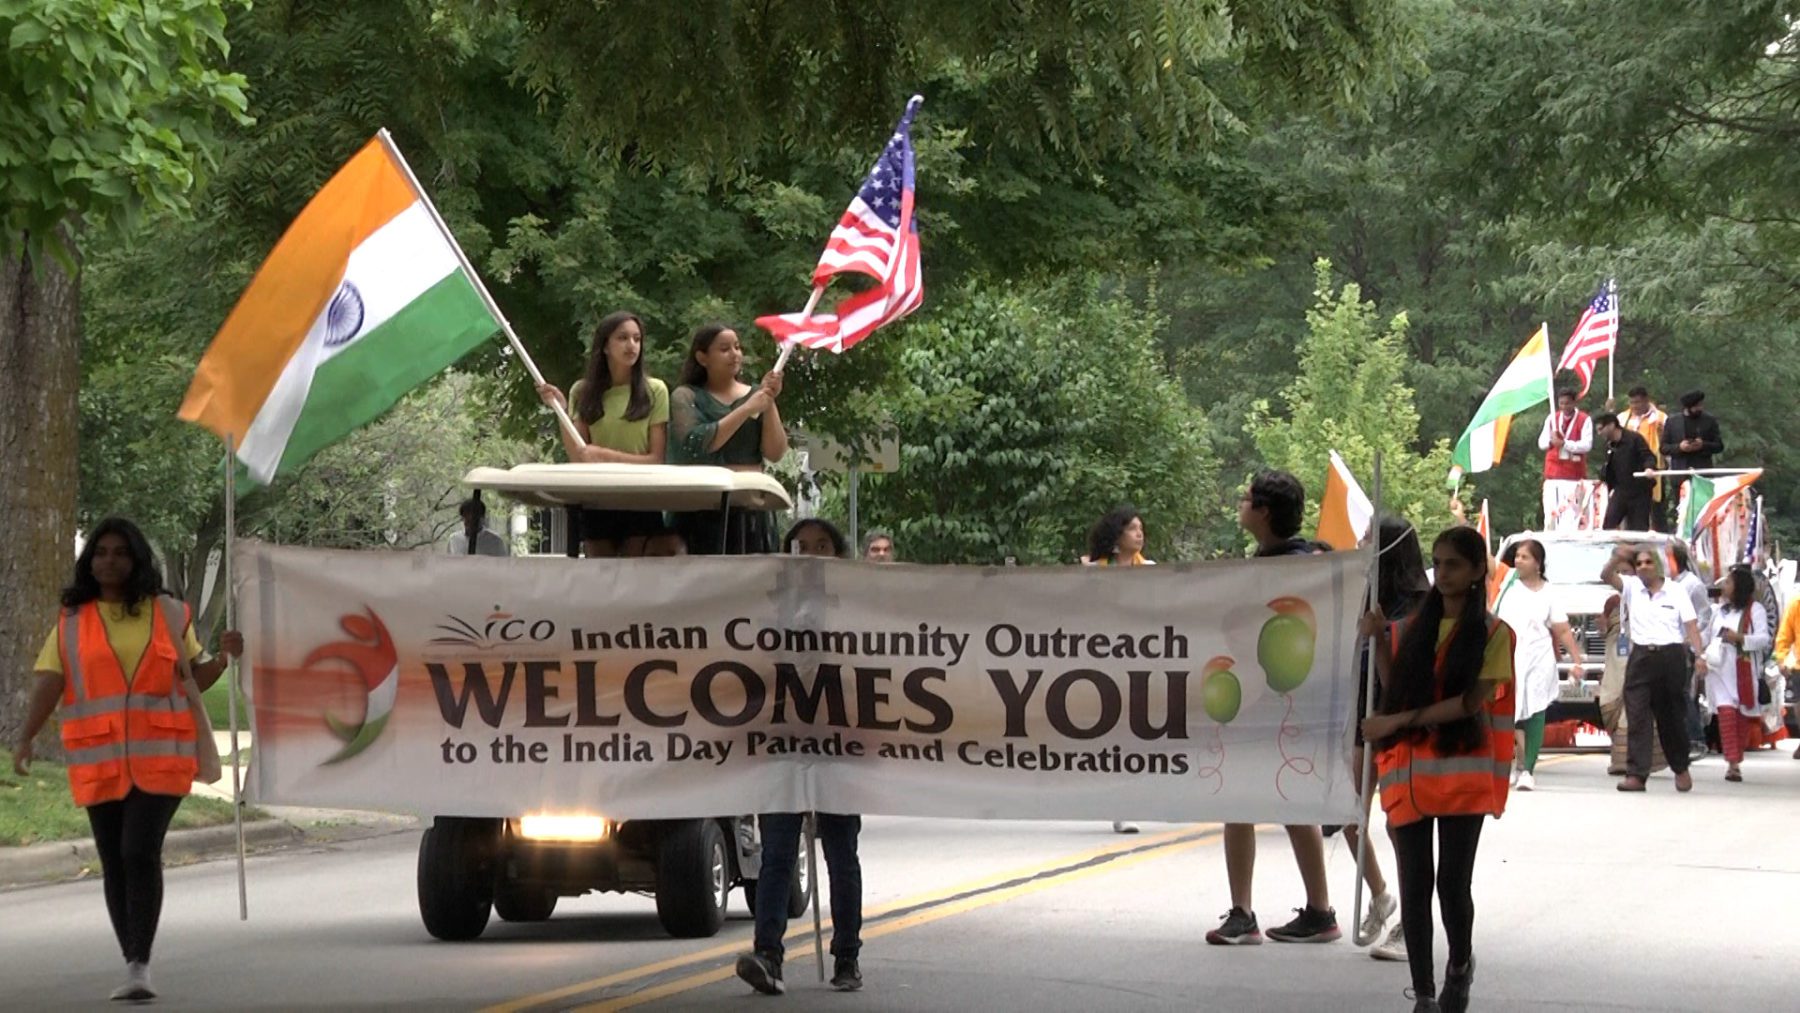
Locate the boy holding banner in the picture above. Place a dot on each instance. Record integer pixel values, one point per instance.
(1270, 511)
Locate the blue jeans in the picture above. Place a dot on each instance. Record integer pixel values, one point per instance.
(780, 851)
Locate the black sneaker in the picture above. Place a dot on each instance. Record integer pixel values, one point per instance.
(1454, 998)
(762, 971)
(1424, 1003)
(1238, 929)
(1309, 926)
(845, 975)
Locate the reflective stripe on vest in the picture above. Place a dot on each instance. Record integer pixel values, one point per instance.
(126, 730)
(1416, 781)
(122, 750)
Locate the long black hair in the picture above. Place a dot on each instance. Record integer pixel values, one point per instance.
(599, 374)
(1740, 588)
(1403, 579)
(840, 546)
(145, 581)
(1418, 682)
(1103, 537)
(692, 373)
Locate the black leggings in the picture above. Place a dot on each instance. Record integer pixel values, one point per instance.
(1454, 868)
(128, 834)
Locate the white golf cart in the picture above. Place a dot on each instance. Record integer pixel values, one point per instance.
(519, 867)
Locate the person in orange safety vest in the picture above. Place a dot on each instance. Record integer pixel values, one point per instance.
(1445, 752)
(112, 665)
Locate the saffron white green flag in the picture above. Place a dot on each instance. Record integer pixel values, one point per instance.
(1705, 499)
(363, 299)
(1525, 384)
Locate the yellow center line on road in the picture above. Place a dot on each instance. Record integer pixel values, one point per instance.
(932, 912)
(907, 904)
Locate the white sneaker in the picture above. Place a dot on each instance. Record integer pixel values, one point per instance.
(1393, 947)
(1525, 782)
(1124, 827)
(1381, 908)
(1514, 780)
(137, 987)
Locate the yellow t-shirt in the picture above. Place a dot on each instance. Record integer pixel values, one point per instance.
(1497, 660)
(128, 634)
(611, 430)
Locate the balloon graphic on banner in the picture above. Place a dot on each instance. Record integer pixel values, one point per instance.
(1220, 691)
(1284, 648)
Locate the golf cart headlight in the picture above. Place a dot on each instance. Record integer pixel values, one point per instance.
(563, 828)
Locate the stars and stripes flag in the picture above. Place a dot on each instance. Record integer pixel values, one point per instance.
(1595, 336)
(878, 237)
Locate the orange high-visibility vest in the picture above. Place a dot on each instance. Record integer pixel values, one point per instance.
(119, 731)
(1417, 781)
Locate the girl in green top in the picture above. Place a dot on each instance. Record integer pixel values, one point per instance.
(623, 418)
(717, 419)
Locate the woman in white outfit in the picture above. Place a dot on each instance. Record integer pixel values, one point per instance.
(1740, 629)
(1526, 604)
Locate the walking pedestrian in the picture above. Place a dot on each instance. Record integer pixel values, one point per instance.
(781, 834)
(1787, 647)
(1403, 585)
(1659, 619)
(1270, 511)
(622, 416)
(1700, 595)
(878, 547)
(1539, 627)
(1741, 634)
(1117, 539)
(117, 664)
(1446, 741)
(475, 539)
(717, 419)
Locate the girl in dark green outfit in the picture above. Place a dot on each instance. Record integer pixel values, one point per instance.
(715, 418)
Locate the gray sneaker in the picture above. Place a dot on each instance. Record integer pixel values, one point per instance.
(137, 987)
(761, 971)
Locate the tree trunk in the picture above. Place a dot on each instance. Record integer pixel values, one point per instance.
(40, 374)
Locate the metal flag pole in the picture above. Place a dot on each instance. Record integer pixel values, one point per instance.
(1612, 353)
(812, 887)
(232, 668)
(1368, 761)
(512, 338)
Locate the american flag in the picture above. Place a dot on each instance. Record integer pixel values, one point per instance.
(1595, 336)
(877, 236)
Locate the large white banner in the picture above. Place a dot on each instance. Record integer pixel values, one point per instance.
(659, 688)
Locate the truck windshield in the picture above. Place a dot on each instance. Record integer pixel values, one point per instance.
(1575, 562)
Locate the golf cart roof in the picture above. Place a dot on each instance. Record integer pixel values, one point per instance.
(1595, 536)
(632, 486)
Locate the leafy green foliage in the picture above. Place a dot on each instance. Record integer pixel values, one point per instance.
(111, 107)
(1350, 395)
(1029, 415)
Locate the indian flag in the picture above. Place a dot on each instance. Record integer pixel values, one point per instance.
(364, 298)
(1344, 511)
(1704, 499)
(1525, 384)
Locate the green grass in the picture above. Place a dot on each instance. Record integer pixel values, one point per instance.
(38, 807)
(218, 707)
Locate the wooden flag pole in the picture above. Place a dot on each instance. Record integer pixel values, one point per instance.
(1368, 760)
(233, 666)
(512, 338)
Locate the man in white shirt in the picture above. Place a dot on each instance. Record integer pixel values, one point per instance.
(476, 539)
(1567, 437)
(1661, 620)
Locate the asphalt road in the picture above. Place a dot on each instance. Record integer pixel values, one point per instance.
(1587, 900)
